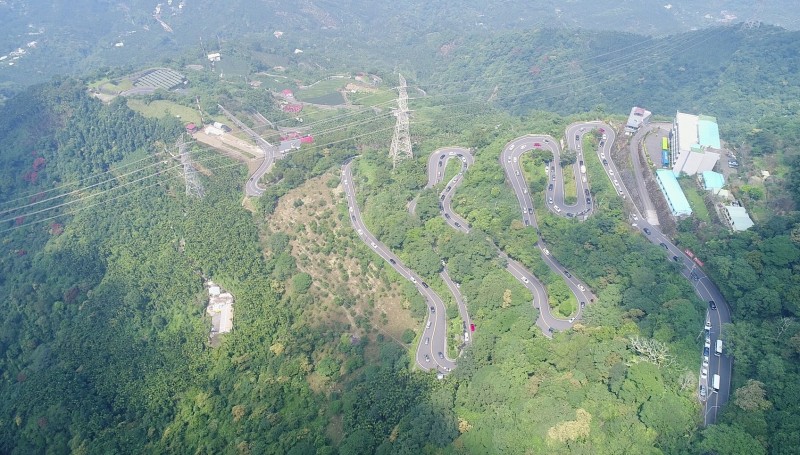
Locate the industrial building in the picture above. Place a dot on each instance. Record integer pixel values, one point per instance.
(637, 118)
(694, 143)
(678, 204)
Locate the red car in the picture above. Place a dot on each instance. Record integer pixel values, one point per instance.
(472, 327)
(602, 130)
(536, 144)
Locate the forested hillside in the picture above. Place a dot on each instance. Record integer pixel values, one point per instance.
(103, 343)
(737, 74)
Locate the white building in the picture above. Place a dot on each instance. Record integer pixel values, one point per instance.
(694, 143)
(638, 117)
(737, 217)
(214, 57)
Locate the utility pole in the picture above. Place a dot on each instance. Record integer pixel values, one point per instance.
(193, 185)
(401, 141)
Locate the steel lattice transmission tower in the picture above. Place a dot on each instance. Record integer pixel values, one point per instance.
(401, 141)
(193, 185)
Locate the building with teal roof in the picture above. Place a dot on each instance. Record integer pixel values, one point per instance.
(678, 204)
(694, 143)
(712, 181)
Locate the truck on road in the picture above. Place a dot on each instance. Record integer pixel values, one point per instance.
(718, 350)
(715, 384)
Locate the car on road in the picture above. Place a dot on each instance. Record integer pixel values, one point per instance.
(424, 285)
(567, 274)
(441, 157)
(433, 309)
(571, 320)
(524, 280)
(588, 200)
(427, 340)
(675, 258)
(527, 223)
(536, 144)
(647, 231)
(583, 304)
(558, 209)
(515, 159)
(605, 137)
(704, 372)
(427, 358)
(457, 224)
(550, 187)
(635, 217)
(583, 289)
(509, 159)
(392, 261)
(611, 172)
(706, 353)
(603, 155)
(712, 304)
(447, 215)
(530, 210)
(605, 162)
(517, 172)
(413, 280)
(428, 325)
(586, 191)
(664, 245)
(546, 251)
(550, 200)
(440, 164)
(374, 245)
(441, 356)
(525, 190)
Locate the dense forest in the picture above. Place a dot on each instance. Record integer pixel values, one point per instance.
(103, 345)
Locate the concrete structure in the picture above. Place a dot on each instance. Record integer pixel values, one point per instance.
(288, 146)
(712, 181)
(694, 143)
(220, 308)
(214, 57)
(678, 204)
(213, 131)
(638, 117)
(737, 217)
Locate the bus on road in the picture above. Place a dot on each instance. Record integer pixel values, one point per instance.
(718, 350)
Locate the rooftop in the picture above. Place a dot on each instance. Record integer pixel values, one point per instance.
(713, 180)
(740, 220)
(708, 132)
(637, 117)
(673, 192)
(687, 130)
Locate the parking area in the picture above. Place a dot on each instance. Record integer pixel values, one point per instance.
(653, 143)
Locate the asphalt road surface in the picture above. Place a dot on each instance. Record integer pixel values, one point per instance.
(704, 288)
(432, 349)
(509, 159)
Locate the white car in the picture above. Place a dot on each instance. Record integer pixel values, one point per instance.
(546, 251)
(360, 232)
(583, 289)
(515, 159)
(558, 209)
(524, 280)
(345, 181)
(525, 190)
(571, 320)
(374, 245)
(603, 155)
(611, 172)
(635, 217)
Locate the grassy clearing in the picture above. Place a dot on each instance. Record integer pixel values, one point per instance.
(695, 197)
(163, 108)
(328, 99)
(570, 186)
(381, 98)
(321, 88)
